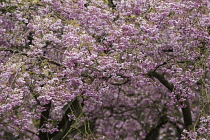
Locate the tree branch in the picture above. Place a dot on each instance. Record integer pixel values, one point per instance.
(161, 78)
(38, 56)
(44, 117)
(186, 112)
(154, 132)
(65, 124)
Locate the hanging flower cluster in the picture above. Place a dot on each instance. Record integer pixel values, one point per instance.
(83, 69)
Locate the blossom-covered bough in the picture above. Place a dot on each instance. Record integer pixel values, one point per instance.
(94, 69)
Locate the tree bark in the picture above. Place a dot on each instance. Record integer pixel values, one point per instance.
(186, 112)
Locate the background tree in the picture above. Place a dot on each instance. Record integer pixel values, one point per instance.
(96, 69)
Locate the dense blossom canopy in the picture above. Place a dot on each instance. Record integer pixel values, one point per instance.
(103, 69)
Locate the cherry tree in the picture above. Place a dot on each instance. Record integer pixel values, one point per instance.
(93, 69)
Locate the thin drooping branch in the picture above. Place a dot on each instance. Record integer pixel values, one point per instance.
(186, 112)
(38, 56)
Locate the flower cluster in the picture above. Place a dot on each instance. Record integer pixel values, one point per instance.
(128, 69)
(201, 133)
